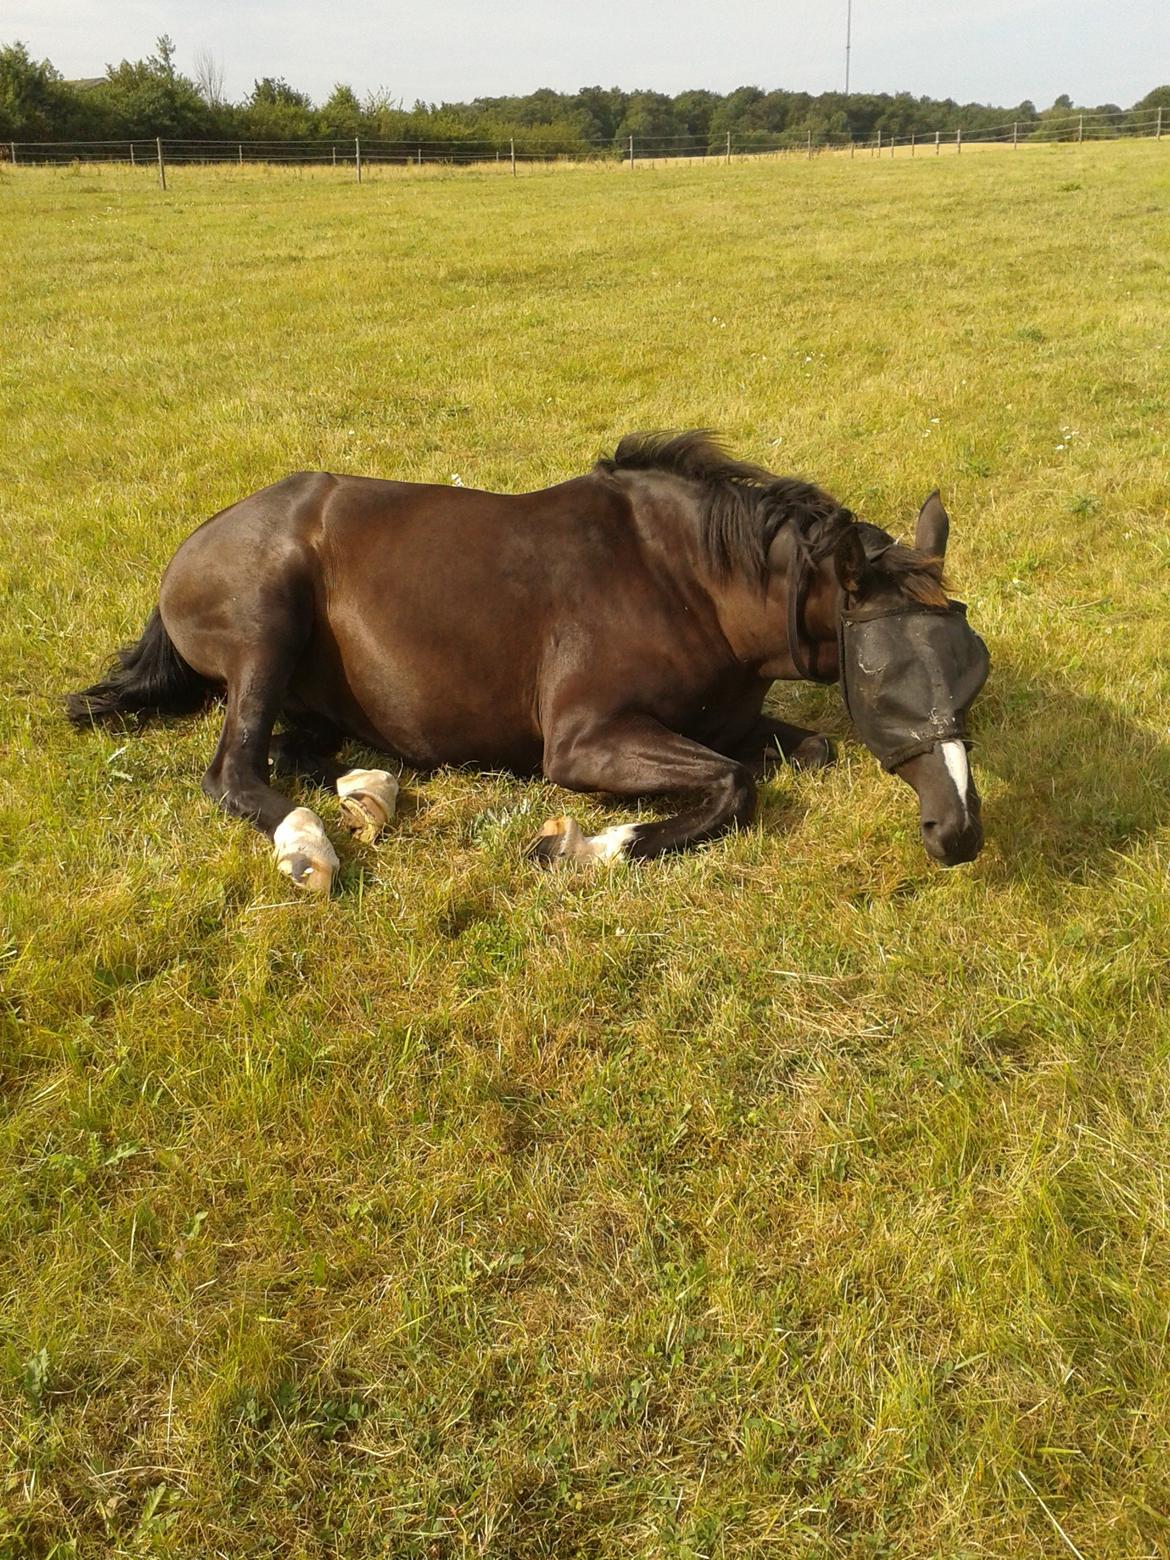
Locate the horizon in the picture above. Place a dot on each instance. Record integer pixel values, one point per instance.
(1070, 48)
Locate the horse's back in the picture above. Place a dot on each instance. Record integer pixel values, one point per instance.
(431, 607)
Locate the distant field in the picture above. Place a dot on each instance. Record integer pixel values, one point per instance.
(792, 1198)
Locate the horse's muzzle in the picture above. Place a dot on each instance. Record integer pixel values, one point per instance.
(953, 842)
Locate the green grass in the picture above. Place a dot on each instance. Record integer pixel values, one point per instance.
(791, 1198)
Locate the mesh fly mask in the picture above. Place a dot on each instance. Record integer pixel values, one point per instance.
(908, 674)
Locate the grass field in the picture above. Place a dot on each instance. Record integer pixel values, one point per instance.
(792, 1198)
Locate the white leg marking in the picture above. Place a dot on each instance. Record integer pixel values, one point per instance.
(573, 845)
(369, 799)
(955, 757)
(609, 844)
(303, 851)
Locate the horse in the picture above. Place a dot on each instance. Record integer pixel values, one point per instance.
(617, 633)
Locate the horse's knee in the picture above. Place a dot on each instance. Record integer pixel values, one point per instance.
(734, 795)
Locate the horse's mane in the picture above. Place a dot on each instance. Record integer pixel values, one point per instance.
(744, 506)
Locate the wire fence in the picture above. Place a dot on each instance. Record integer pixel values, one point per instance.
(359, 154)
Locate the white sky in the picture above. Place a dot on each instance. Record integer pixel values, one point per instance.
(999, 51)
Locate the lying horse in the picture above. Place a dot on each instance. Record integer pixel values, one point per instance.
(617, 633)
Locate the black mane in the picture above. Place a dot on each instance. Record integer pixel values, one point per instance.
(743, 506)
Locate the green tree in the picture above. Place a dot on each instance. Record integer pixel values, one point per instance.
(35, 104)
(149, 97)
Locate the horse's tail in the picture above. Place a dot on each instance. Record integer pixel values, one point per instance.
(147, 678)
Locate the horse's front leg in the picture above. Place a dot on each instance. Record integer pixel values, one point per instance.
(770, 742)
(634, 755)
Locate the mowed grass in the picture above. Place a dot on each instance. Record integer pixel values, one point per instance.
(791, 1198)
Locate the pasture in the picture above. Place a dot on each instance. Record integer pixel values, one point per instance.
(791, 1198)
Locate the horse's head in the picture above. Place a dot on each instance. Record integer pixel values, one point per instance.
(910, 668)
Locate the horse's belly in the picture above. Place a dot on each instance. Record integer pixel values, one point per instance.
(428, 704)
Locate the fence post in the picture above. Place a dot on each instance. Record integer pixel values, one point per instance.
(1015, 135)
(729, 137)
(959, 139)
(133, 160)
(809, 141)
(357, 158)
(852, 144)
(1158, 135)
(162, 167)
(631, 154)
(12, 144)
(879, 144)
(893, 142)
(240, 154)
(335, 154)
(937, 135)
(913, 140)
(1081, 128)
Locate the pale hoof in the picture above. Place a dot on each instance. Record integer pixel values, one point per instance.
(303, 852)
(369, 799)
(562, 840)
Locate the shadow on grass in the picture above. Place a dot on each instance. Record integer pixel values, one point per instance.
(1082, 780)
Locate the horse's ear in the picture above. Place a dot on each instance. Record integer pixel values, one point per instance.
(850, 562)
(930, 534)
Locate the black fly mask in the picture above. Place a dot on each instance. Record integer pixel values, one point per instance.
(908, 673)
(908, 676)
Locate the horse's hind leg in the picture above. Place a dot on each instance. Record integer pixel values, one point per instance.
(237, 777)
(369, 797)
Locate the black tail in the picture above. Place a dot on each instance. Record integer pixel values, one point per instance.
(149, 678)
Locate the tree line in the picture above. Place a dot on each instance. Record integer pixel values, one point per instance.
(152, 97)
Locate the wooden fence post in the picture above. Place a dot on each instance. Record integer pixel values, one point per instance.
(1157, 137)
(913, 140)
(357, 158)
(729, 138)
(937, 137)
(809, 145)
(1015, 135)
(631, 154)
(133, 160)
(879, 144)
(959, 139)
(12, 144)
(1081, 128)
(162, 167)
(512, 145)
(240, 154)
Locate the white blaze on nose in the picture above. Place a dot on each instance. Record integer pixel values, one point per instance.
(955, 758)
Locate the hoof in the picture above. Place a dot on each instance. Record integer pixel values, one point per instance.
(303, 852)
(562, 839)
(815, 752)
(556, 842)
(369, 799)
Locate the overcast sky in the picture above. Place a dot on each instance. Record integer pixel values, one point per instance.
(999, 51)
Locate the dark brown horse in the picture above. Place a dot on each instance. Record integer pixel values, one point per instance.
(617, 633)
